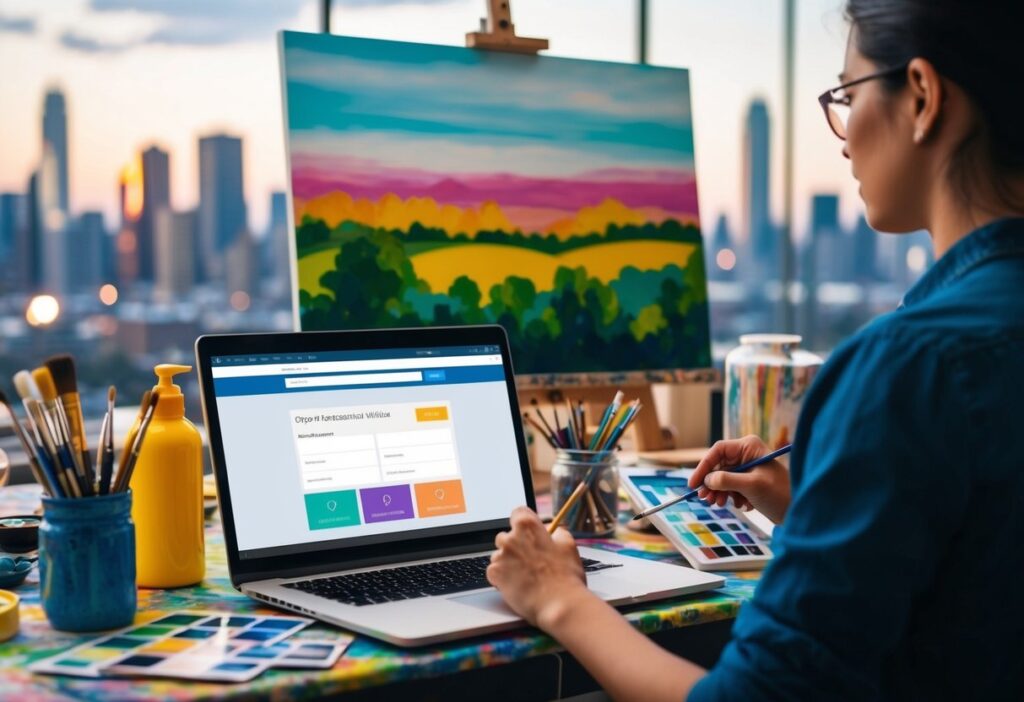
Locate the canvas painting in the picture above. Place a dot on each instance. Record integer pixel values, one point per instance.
(440, 185)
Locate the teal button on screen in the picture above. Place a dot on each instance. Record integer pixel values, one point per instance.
(327, 510)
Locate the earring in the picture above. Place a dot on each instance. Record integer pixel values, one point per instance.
(918, 136)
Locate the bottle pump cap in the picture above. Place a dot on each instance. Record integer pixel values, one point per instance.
(172, 402)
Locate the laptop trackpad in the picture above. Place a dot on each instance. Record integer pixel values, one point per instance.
(490, 601)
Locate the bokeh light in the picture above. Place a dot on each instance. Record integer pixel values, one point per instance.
(42, 310)
(108, 294)
(726, 259)
(917, 259)
(240, 300)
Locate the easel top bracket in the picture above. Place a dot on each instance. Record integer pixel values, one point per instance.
(498, 33)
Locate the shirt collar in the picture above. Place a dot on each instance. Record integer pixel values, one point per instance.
(998, 239)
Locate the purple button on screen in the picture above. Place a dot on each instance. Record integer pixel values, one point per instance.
(386, 504)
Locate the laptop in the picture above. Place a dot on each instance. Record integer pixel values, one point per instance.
(363, 477)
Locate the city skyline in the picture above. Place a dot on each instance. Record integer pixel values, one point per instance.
(119, 68)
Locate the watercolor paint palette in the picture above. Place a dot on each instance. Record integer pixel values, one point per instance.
(198, 646)
(709, 537)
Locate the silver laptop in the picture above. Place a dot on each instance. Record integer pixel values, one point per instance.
(364, 475)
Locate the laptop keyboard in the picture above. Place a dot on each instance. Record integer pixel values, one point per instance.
(410, 582)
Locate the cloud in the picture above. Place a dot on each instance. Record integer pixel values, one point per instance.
(17, 25)
(209, 22)
(206, 22)
(190, 22)
(88, 45)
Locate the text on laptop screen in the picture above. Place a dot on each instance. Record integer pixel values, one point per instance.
(324, 450)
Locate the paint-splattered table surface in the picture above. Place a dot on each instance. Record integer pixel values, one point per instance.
(366, 664)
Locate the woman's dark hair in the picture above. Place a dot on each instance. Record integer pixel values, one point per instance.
(975, 44)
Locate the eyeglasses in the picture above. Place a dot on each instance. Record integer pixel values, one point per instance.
(836, 101)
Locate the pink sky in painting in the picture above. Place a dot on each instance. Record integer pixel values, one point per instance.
(672, 192)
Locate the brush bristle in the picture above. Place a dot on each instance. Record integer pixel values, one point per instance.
(44, 381)
(24, 385)
(111, 394)
(3, 398)
(63, 370)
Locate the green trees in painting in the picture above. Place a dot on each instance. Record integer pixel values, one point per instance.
(642, 320)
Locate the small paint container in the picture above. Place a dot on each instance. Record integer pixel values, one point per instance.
(8, 615)
(87, 562)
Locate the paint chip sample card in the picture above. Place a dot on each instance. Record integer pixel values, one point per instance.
(199, 645)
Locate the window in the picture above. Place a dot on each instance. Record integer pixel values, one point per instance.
(142, 185)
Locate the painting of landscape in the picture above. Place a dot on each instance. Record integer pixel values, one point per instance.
(439, 185)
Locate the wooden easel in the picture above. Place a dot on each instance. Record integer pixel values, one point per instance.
(498, 33)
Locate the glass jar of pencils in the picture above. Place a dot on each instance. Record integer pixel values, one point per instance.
(585, 492)
(87, 562)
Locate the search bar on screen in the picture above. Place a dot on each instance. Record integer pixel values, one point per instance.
(355, 379)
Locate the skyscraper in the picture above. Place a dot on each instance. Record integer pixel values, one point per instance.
(865, 251)
(29, 267)
(55, 141)
(87, 239)
(10, 209)
(827, 241)
(53, 195)
(242, 266)
(756, 188)
(129, 189)
(156, 196)
(722, 254)
(276, 256)
(222, 215)
(174, 245)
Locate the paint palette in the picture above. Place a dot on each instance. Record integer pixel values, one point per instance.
(198, 646)
(709, 537)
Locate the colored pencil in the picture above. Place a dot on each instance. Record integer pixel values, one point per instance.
(540, 430)
(569, 504)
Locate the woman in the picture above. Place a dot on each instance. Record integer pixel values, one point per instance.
(901, 543)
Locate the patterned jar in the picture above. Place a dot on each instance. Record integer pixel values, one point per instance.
(87, 562)
(766, 380)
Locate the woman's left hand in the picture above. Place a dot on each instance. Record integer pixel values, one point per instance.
(538, 574)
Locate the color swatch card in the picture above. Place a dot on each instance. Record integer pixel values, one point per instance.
(708, 536)
(198, 646)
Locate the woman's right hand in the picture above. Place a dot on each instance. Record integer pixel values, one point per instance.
(765, 488)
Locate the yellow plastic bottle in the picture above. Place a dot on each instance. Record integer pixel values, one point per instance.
(167, 493)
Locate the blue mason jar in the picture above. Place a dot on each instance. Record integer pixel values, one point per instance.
(87, 562)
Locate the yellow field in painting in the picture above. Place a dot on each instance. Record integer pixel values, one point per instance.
(490, 264)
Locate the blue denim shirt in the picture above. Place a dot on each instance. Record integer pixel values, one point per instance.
(899, 571)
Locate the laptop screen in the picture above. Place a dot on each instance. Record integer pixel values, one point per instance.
(334, 449)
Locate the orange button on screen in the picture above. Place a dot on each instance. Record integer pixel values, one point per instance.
(438, 499)
(431, 414)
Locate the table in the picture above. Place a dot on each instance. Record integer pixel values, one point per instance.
(524, 664)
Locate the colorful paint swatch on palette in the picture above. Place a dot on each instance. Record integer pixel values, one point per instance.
(196, 645)
(709, 537)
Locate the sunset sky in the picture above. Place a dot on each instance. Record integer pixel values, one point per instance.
(141, 72)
